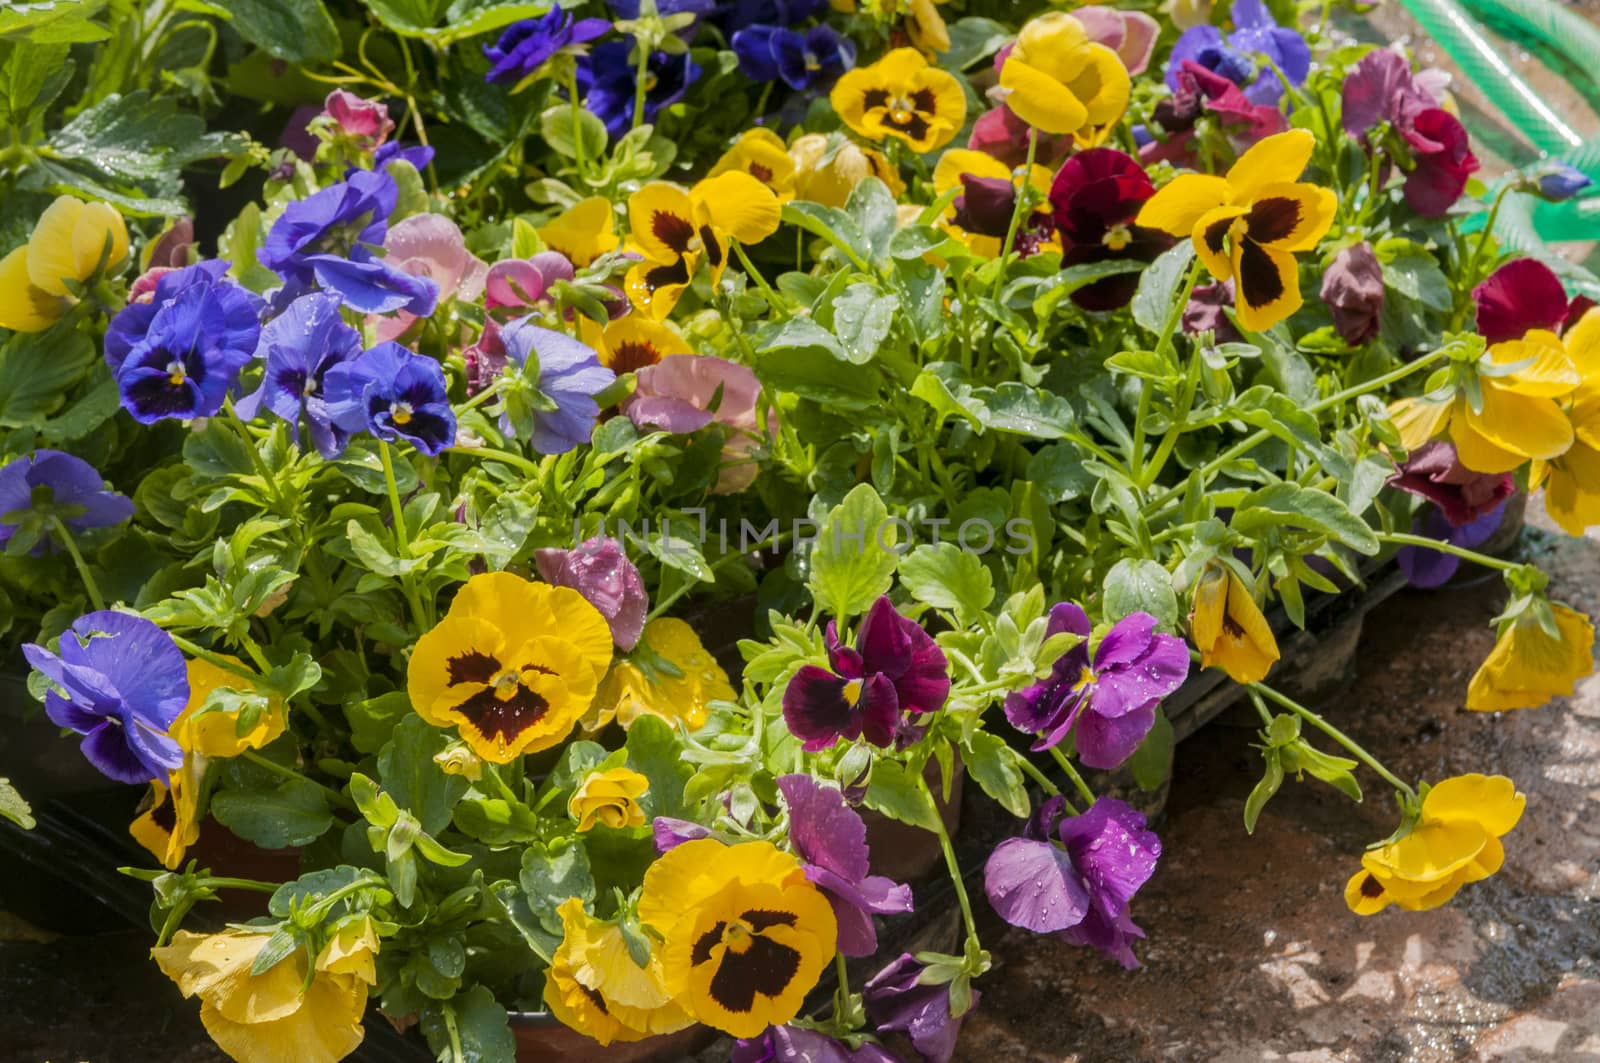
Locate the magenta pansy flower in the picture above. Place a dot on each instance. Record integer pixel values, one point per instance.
(361, 119)
(523, 282)
(599, 569)
(1433, 471)
(897, 999)
(1521, 295)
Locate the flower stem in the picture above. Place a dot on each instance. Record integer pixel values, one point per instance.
(1019, 203)
(1145, 474)
(952, 866)
(89, 585)
(778, 305)
(639, 77)
(1031, 770)
(1407, 539)
(580, 157)
(211, 657)
(515, 460)
(334, 797)
(1072, 773)
(402, 539)
(1337, 735)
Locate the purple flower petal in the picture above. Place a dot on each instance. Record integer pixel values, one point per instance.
(1034, 885)
(1105, 742)
(823, 829)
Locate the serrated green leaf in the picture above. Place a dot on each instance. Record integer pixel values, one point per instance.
(296, 31)
(898, 794)
(993, 764)
(850, 567)
(1136, 585)
(947, 577)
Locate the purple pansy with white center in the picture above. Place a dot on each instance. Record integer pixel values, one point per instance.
(334, 239)
(552, 381)
(897, 999)
(119, 681)
(876, 690)
(1081, 888)
(831, 841)
(524, 47)
(394, 394)
(1113, 700)
(599, 569)
(40, 488)
(300, 347)
(1255, 33)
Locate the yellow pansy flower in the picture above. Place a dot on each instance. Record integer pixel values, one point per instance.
(168, 821)
(609, 797)
(675, 679)
(215, 732)
(902, 96)
(827, 168)
(1517, 417)
(69, 244)
(632, 342)
(1571, 480)
(1059, 81)
(926, 27)
(673, 230)
(746, 936)
(513, 665)
(286, 1012)
(1229, 629)
(1528, 666)
(352, 949)
(762, 154)
(959, 162)
(1247, 225)
(594, 986)
(1456, 841)
(583, 232)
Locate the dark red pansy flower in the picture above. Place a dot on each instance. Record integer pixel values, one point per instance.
(1096, 195)
(1444, 161)
(1523, 294)
(1433, 471)
(1207, 311)
(985, 207)
(876, 690)
(1352, 289)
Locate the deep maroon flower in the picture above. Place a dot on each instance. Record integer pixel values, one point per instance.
(1433, 471)
(1112, 701)
(1433, 568)
(830, 839)
(1381, 88)
(599, 569)
(1207, 311)
(876, 691)
(1523, 294)
(1352, 288)
(1081, 888)
(1096, 195)
(985, 206)
(896, 999)
(796, 1044)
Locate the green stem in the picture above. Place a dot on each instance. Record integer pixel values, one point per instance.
(1018, 205)
(773, 300)
(334, 797)
(490, 392)
(212, 657)
(1072, 773)
(514, 460)
(639, 77)
(402, 539)
(1031, 770)
(1407, 539)
(269, 482)
(952, 866)
(580, 157)
(89, 585)
(227, 883)
(1337, 735)
(1144, 474)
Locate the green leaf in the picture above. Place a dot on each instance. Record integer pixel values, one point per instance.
(239, 243)
(374, 554)
(96, 407)
(655, 752)
(296, 31)
(555, 125)
(833, 225)
(990, 761)
(821, 376)
(31, 76)
(871, 205)
(1263, 791)
(36, 372)
(294, 812)
(1303, 507)
(52, 21)
(862, 318)
(947, 577)
(850, 568)
(894, 791)
(482, 1029)
(553, 873)
(1151, 763)
(409, 774)
(972, 39)
(1058, 473)
(372, 721)
(1412, 271)
(1159, 287)
(1141, 586)
(1033, 412)
(468, 18)
(800, 333)
(310, 887)
(409, 18)
(13, 806)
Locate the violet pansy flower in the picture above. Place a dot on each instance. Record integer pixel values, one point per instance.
(50, 483)
(1112, 701)
(1081, 887)
(552, 399)
(896, 998)
(607, 80)
(797, 1044)
(394, 394)
(1255, 33)
(300, 347)
(599, 569)
(876, 690)
(1434, 568)
(801, 59)
(526, 46)
(119, 681)
(1433, 471)
(831, 841)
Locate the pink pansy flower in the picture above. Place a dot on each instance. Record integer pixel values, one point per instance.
(364, 120)
(430, 245)
(1131, 34)
(676, 395)
(523, 282)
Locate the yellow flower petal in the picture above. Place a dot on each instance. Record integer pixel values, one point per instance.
(957, 161)
(1040, 100)
(660, 221)
(1571, 487)
(1291, 217)
(739, 205)
(1527, 667)
(215, 732)
(1273, 160)
(583, 232)
(1521, 424)
(1547, 371)
(98, 226)
(24, 308)
(52, 249)
(762, 154)
(1491, 801)
(1211, 236)
(1266, 285)
(1364, 893)
(1176, 207)
(1103, 85)
(1418, 420)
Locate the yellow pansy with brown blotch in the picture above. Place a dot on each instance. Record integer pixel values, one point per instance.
(1228, 627)
(513, 666)
(594, 985)
(762, 154)
(903, 96)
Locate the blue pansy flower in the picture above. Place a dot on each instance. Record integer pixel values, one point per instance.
(334, 239)
(119, 681)
(394, 394)
(1234, 57)
(606, 77)
(556, 409)
(49, 483)
(418, 155)
(300, 346)
(802, 60)
(733, 15)
(177, 355)
(526, 46)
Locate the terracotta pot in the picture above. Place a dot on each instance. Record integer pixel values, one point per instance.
(225, 853)
(541, 1038)
(906, 853)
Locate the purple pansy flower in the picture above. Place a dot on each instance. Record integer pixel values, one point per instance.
(418, 155)
(796, 1044)
(1433, 471)
(523, 282)
(299, 347)
(895, 673)
(334, 238)
(1558, 181)
(526, 46)
(801, 59)
(556, 409)
(606, 77)
(669, 833)
(1112, 701)
(1255, 33)
(830, 839)
(119, 681)
(1434, 568)
(177, 355)
(394, 394)
(46, 483)
(897, 999)
(1381, 87)
(1081, 888)
(599, 569)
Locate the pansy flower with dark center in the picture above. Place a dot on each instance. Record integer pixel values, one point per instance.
(38, 489)
(762, 154)
(394, 394)
(1096, 197)
(301, 345)
(1080, 888)
(1439, 158)
(802, 59)
(1111, 700)
(829, 836)
(633, 342)
(120, 682)
(524, 47)
(1228, 627)
(513, 665)
(1234, 56)
(877, 690)
(746, 935)
(903, 96)
(673, 230)
(1247, 225)
(608, 77)
(987, 189)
